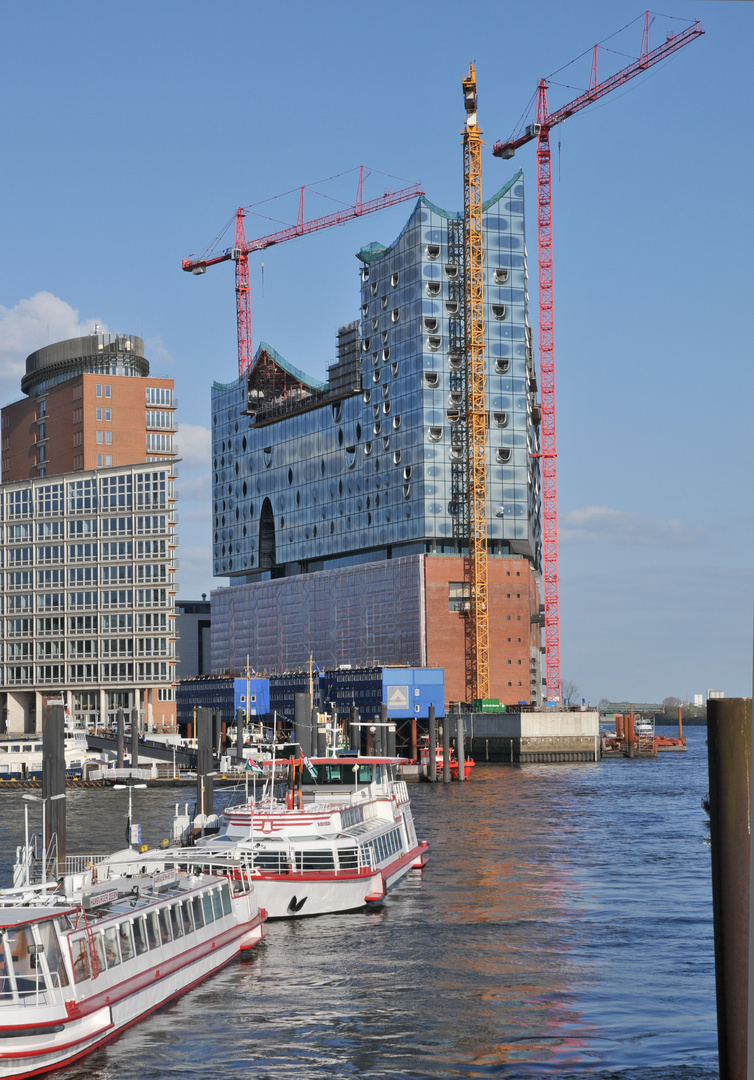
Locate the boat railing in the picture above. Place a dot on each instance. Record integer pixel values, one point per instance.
(236, 867)
(401, 791)
(367, 860)
(38, 989)
(79, 864)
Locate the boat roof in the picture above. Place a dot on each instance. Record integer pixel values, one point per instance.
(15, 916)
(355, 760)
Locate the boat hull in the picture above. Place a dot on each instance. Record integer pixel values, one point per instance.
(79, 1028)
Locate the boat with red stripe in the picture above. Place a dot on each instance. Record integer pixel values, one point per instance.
(336, 834)
(85, 958)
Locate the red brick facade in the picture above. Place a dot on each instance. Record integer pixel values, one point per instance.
(514, 636)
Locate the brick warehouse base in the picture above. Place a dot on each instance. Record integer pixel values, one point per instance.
(407, 611)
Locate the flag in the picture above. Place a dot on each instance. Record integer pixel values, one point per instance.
(252, 766)
(310, 767)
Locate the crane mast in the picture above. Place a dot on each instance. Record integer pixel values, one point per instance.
(476, 406)
(540, 130)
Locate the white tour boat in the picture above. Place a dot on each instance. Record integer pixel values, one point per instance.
(21, 756)
(81, 961)
(332, 842)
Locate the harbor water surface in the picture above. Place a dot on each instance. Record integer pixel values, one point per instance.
(563, 927)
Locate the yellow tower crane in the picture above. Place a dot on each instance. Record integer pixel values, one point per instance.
(478, 662)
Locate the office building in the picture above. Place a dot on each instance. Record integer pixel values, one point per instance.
(87, 505)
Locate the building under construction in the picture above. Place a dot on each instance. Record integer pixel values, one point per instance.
(340, 508)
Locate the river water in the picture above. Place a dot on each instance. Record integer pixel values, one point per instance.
(563, 927)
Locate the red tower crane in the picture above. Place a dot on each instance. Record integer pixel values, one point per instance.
(540, 130)
(239, 253)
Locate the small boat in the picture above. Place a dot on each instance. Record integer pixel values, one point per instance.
(83, 960)
(453, 763)
(336, 838)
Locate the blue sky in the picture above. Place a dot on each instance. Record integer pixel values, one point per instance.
(131, 133)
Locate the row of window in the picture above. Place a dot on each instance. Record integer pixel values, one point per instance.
(54, 650)
(110, 492)
(108, 598)
(85, 575)
(118, 623)
(54, 530)
(48, 674)
(135, 936)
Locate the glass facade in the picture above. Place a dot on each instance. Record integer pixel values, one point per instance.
(363, 469)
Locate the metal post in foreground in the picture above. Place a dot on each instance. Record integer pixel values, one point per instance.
(302, 722)
(445, 750)
(432, 766)
(460, 748)
(53, 783)
(729, 753)
(413, 749)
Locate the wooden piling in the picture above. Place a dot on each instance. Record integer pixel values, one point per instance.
(120, 719)
(729, 738)
(205, 801)
(53, 781)
(432, 766)
(460, 748)
(445, 750)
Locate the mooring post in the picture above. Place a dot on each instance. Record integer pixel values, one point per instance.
(432, 766)
(302, 722)
(121, 737)
(204, 788)
(391, 747)
(680, 723)
(53, 782)
(619, 727)
(320, 735)
(413, 739)
(445, 750)
(134, 738)
(729, 754)
(217, 734)
(240, 716)
(355, 732)
(630, 734)
(460, 748)
(383, 744)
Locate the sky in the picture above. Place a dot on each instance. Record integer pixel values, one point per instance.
(131, 132)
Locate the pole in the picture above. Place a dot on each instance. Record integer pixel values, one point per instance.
(240, 735)
(355, 730)
(460, 748)
(413, 738)
(121, 735)
(445, 750)
(432, 766)
(134, 738)
(680, 723)
(729, 751)
(53, 783)
(391, 749)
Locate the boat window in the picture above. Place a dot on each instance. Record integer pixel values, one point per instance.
(319, 859)
(165, 925)
(112, 949)
(272, 861)
(99, 948)
(225, 895)
(176, 920)
(49, 938)
(348, 858)
(140, 936)
(126, 941)
(23, 953)
(209, 915)
(365, 774)
(153, 930)
(196, 903)
(27, 746)
(188, 925)
(80, 953)
(217, 903)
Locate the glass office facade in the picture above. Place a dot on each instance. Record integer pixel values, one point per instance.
(338, 477)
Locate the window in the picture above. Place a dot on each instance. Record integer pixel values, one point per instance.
(159, 395)
(459, 595)
(501, 365)
(501, 419)
(435, 434)
(108, 390)
(500, 276)
(99, 389)
(451, 270)
(503, 454)
(433, 288)
(159, 442)
(433, 342)
(100, 461)
(433, 251)
(498, 310)
(108, 461)
(99, 413)
(108, 437)
(99, 438)
(430, 323)
(108, 414)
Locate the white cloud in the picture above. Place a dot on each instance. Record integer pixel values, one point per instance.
(194, 444)
(157, 354)
(602, 525)
(33, 323)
